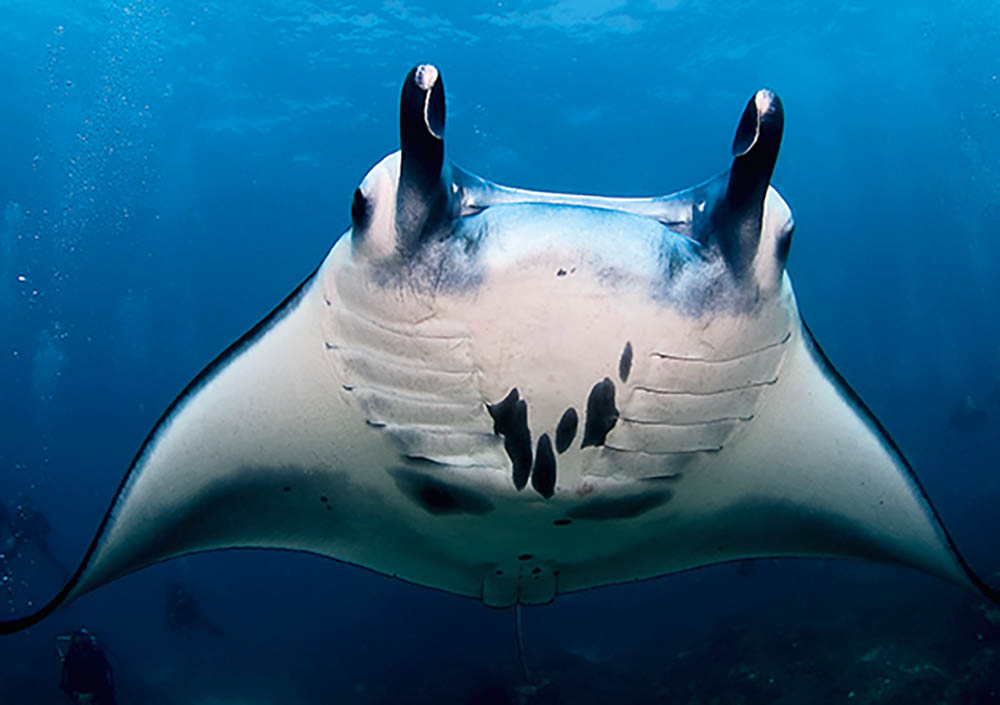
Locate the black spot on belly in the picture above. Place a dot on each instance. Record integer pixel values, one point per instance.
(621, 507)
(543, 474)
(562, 522)
(625, 362)
(525, 557)
(437, 496)
(601, 413)
(566, 429)
(510, 420)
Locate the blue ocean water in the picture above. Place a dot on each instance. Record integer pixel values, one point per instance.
(171, 170)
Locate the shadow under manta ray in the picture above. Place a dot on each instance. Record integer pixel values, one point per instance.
(510, 395)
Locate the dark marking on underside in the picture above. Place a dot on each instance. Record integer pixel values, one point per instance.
(627, 507)
(423, 460)
(762, 525)
(602, 415)
(510, 420)
(543, 474)
(439, 497)
(566, 430)
(625, 362)
(359, 210)
(783, 244)
(562, 522)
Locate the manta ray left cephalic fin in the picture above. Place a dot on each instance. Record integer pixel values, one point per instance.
(397, 411)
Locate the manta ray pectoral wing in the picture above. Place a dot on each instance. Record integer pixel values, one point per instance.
(257, 452)
(865, 482)
(822, 477)
(812, 474)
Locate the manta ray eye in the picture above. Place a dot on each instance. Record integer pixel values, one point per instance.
(359, 210)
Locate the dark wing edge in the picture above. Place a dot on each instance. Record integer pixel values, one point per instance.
(985, 590)
(15, 625)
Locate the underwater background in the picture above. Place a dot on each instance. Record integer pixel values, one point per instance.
(171, 169)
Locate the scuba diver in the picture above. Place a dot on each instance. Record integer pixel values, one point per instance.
(970, 416)
(182, 612)
(977, 415)
(28, 525)
(86, 674)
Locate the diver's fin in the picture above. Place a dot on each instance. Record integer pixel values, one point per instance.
(62, 645)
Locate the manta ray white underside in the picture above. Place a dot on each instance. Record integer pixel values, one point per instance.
(511, 395)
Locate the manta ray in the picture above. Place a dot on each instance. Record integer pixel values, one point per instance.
(510, 395)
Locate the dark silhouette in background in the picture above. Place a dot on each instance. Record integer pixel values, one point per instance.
(182, 612)
(86, 675)
(28, 526)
